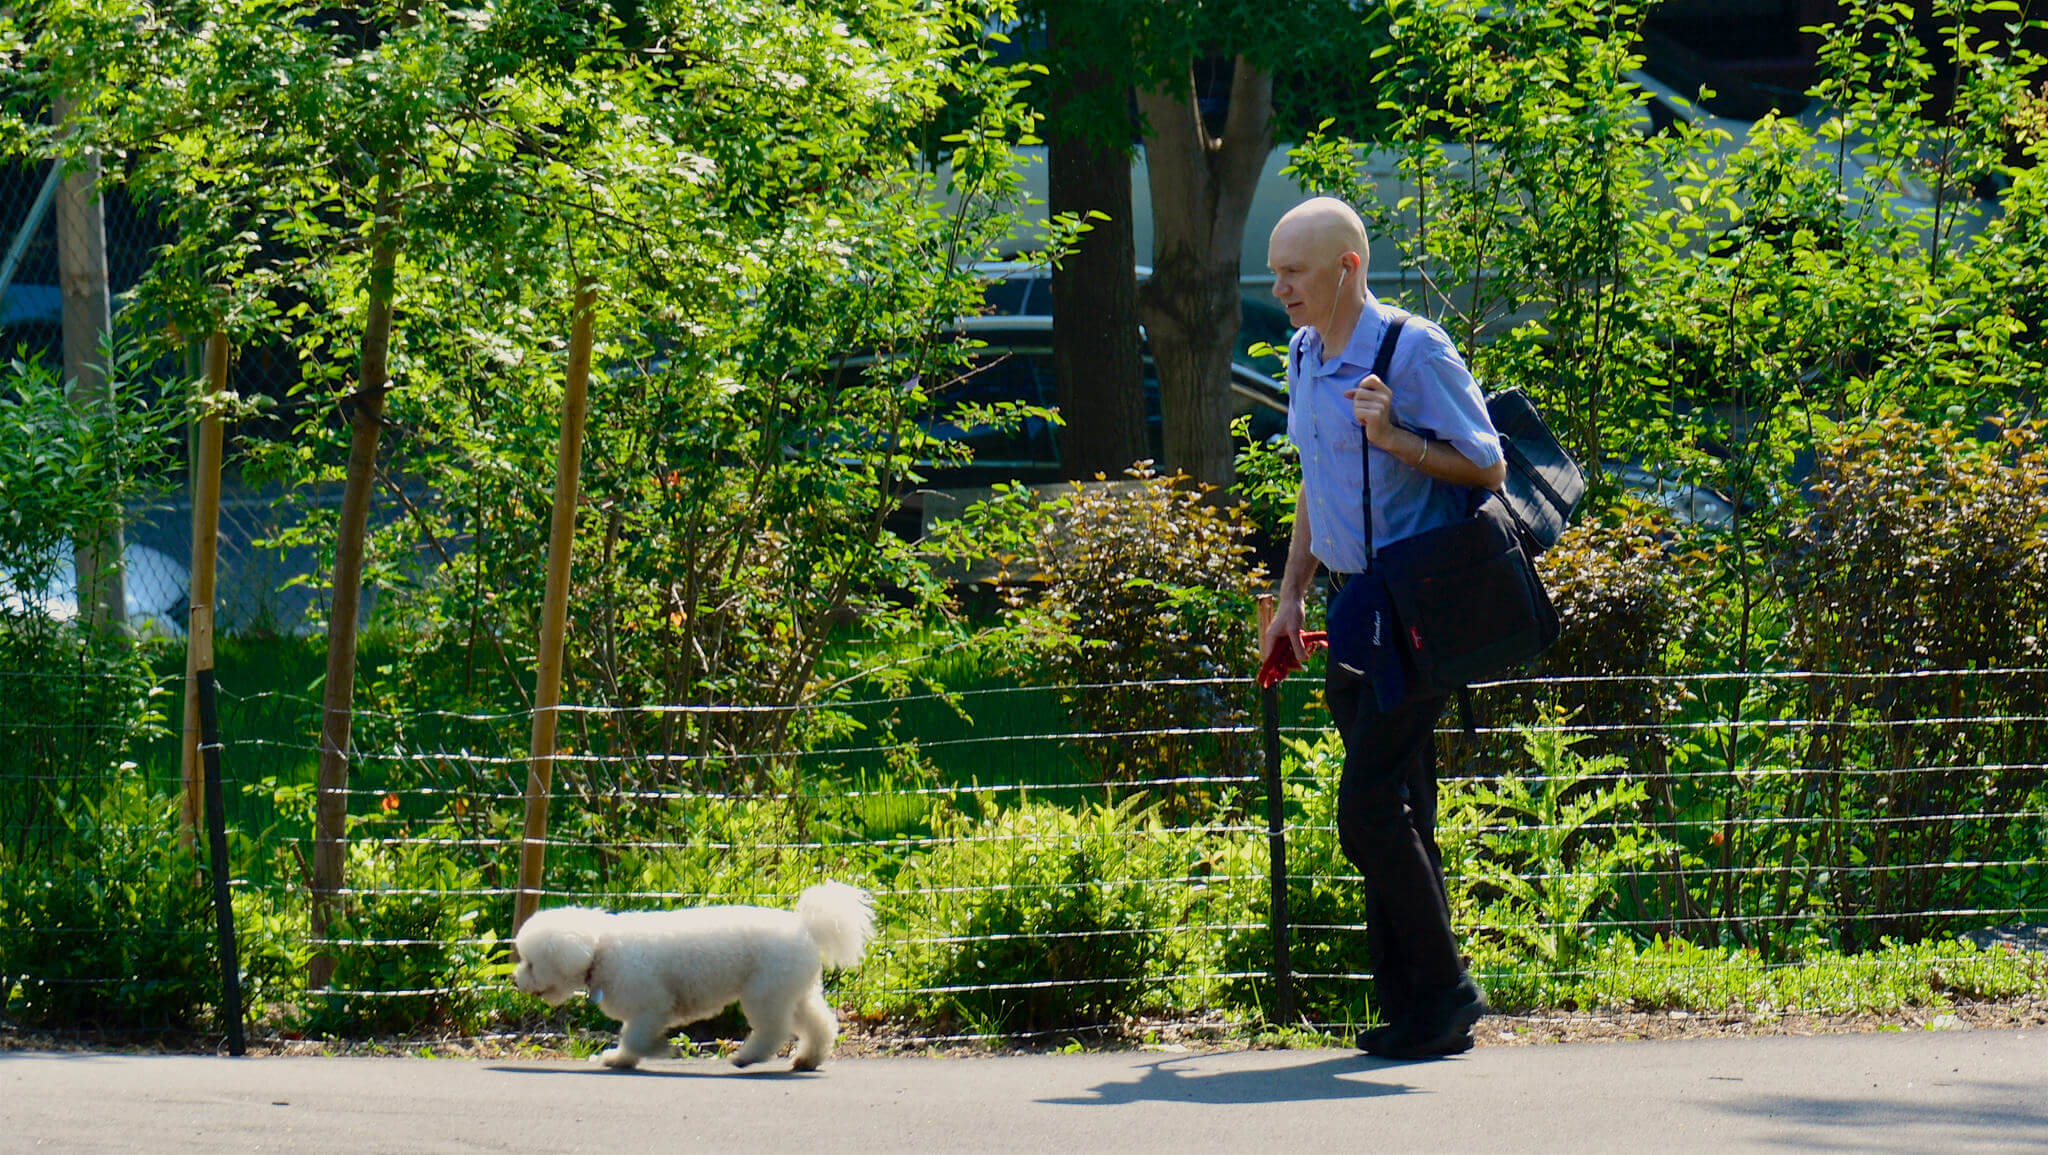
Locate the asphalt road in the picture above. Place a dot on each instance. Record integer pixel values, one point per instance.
(1919, 1091)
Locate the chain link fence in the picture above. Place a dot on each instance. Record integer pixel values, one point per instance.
(255, 594)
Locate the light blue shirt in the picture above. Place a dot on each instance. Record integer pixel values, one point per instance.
(1434, 395)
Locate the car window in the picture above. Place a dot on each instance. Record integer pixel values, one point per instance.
(999, 376)
(1006, 297)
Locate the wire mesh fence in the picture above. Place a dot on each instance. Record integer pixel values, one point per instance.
(107, 242)
(1764, 840)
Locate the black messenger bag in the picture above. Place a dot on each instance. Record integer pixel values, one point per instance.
(1544, 484)
(1466, 598)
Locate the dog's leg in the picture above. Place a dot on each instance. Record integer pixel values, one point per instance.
(816, 1028)
(768, 1018)
(641, 1038)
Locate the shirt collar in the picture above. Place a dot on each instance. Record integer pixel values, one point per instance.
(1364, 344)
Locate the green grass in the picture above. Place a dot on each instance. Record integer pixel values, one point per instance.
(1674, 975)
(268, 715)
(986, 729)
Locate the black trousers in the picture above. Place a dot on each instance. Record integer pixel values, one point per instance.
(1386, 825)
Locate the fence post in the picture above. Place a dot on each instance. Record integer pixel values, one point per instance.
(1276, 834)
(202, 713)
(217, 851)
(547, 689)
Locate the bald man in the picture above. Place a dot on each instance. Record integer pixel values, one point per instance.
(1427, 439)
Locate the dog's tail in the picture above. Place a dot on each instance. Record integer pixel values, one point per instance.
(840, 919)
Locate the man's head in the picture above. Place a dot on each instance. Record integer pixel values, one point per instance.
(1318, 253)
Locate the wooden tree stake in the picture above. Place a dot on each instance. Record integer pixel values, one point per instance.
(205, 556)
(547, 692)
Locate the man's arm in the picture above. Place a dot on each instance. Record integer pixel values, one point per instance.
(1441, 459)
(1373, 404)
(1291, 611)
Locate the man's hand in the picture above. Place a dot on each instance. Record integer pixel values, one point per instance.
(1373, 404)
(1285, 630)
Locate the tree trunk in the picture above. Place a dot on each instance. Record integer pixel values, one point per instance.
(82, 280)
(1095, 298)
(366, 426)
(1202, 188)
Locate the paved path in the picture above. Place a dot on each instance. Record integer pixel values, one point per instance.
(1921, 1091)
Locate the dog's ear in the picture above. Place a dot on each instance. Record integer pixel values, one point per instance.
(558, 947)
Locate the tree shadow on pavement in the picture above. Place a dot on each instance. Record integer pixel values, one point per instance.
(1325, 1079)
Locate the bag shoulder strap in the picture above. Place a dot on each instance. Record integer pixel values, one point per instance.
(1383, 360)
(1382, 365)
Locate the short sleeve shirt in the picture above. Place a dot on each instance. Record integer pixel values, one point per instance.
(1434, 395)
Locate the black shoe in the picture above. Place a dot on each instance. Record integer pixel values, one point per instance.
(1446, 1030)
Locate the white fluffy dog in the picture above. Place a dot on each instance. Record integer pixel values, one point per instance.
(655, 970)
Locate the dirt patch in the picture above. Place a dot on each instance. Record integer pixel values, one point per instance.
(1619, 1026)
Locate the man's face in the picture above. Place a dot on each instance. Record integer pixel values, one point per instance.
(1304, 280)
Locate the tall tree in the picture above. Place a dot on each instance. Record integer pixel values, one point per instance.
(82, 278)
(1204, 152)
(1202, 185)
(322, 155)
(1095, 335)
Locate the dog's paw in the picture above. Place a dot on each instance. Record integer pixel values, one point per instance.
(618, 1060)
(804, 1063)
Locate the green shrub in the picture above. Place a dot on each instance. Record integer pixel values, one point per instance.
(1621, 589)
(1673, 974)
(116, 933)
(1146, 580)
(750, 850)
(1267, 476)
(1537, 854)
(1048, 918)
(414, 945)
(1626, 593)
(1925, 550)
(66, 467)
(81, 708)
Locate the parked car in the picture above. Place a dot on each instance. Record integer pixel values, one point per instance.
(1013, 364)
(1690, 503)
(1018, 289)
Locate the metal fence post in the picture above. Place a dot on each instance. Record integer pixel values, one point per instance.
(1276, 835)
(217, 850)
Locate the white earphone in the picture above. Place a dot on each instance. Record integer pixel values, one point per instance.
(1343, 275)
